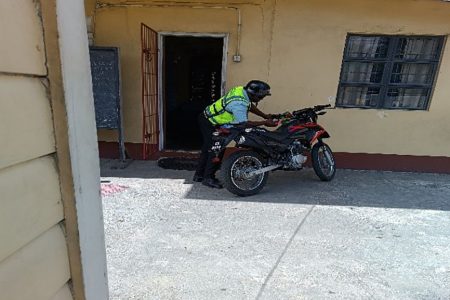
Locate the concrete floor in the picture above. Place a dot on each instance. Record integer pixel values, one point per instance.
(365, 235)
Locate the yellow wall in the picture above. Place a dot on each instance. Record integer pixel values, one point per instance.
(311, 34)
(120, 27)
(297, 46)
(34, 261)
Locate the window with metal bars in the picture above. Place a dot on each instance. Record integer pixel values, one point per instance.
(389, 72)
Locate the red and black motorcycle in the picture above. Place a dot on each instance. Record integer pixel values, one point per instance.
(245, 172)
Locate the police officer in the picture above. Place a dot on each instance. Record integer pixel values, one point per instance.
(231, 109)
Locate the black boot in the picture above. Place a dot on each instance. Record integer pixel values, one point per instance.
(212, 183)
(197, 178)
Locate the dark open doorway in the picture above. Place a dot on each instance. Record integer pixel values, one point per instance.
(192, 79)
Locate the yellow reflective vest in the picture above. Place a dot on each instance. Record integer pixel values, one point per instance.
(217, 112)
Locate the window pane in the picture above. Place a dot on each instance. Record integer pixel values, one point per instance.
(417, 48)
(359, 96)
(363, 72)
(406, 98)
(367, 47)
(412, 73)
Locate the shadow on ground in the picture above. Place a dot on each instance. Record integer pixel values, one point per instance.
(349, 188)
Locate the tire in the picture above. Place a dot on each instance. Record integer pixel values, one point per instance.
(236, 185)
(323, 168)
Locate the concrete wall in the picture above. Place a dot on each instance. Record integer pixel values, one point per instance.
(297, 46)
(32, 241)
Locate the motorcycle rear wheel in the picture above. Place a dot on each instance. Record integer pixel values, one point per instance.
(323, 161)
(235, 169)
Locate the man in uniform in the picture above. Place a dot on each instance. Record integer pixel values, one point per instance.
(231, 109)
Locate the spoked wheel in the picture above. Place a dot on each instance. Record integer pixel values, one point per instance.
(323, 161)
(236, 176)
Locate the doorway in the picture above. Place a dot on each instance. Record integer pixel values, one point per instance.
(192, 77)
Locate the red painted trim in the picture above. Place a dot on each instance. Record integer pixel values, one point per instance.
(168, 153)
(357, 161)
(135, 151)
(111, 150)
(392, 162)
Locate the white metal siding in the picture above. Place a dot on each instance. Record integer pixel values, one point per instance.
(38, 270)
(30, 203)
(34, 260)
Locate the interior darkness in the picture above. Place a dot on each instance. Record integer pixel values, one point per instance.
(192, 79)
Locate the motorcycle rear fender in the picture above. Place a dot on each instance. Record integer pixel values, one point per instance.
(221, 140)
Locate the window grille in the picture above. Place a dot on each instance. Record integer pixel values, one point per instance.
(390, 72)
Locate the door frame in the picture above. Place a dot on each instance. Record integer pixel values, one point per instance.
(161, 36)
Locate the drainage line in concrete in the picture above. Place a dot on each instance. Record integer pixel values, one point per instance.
(283, 253)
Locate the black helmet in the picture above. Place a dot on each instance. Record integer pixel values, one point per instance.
(258, 89)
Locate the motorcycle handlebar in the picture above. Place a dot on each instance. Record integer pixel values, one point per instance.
(316, 108)
(321, 107)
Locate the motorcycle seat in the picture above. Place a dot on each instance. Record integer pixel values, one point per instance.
(274, 135)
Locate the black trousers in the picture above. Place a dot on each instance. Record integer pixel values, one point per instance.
(206, 167)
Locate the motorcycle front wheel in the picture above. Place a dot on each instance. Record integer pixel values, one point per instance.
(323, 161)
(236, 173)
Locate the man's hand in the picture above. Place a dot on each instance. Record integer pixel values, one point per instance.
(288, 115)
(280, 116)
(270, 123)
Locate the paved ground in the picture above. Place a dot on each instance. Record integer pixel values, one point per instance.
(366, 235)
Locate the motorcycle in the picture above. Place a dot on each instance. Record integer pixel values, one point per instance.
(245, 172)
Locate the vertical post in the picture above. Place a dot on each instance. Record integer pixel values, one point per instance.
(122, 155)
(83, 148)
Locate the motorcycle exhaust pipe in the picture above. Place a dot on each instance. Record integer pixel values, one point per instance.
(263, 170)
